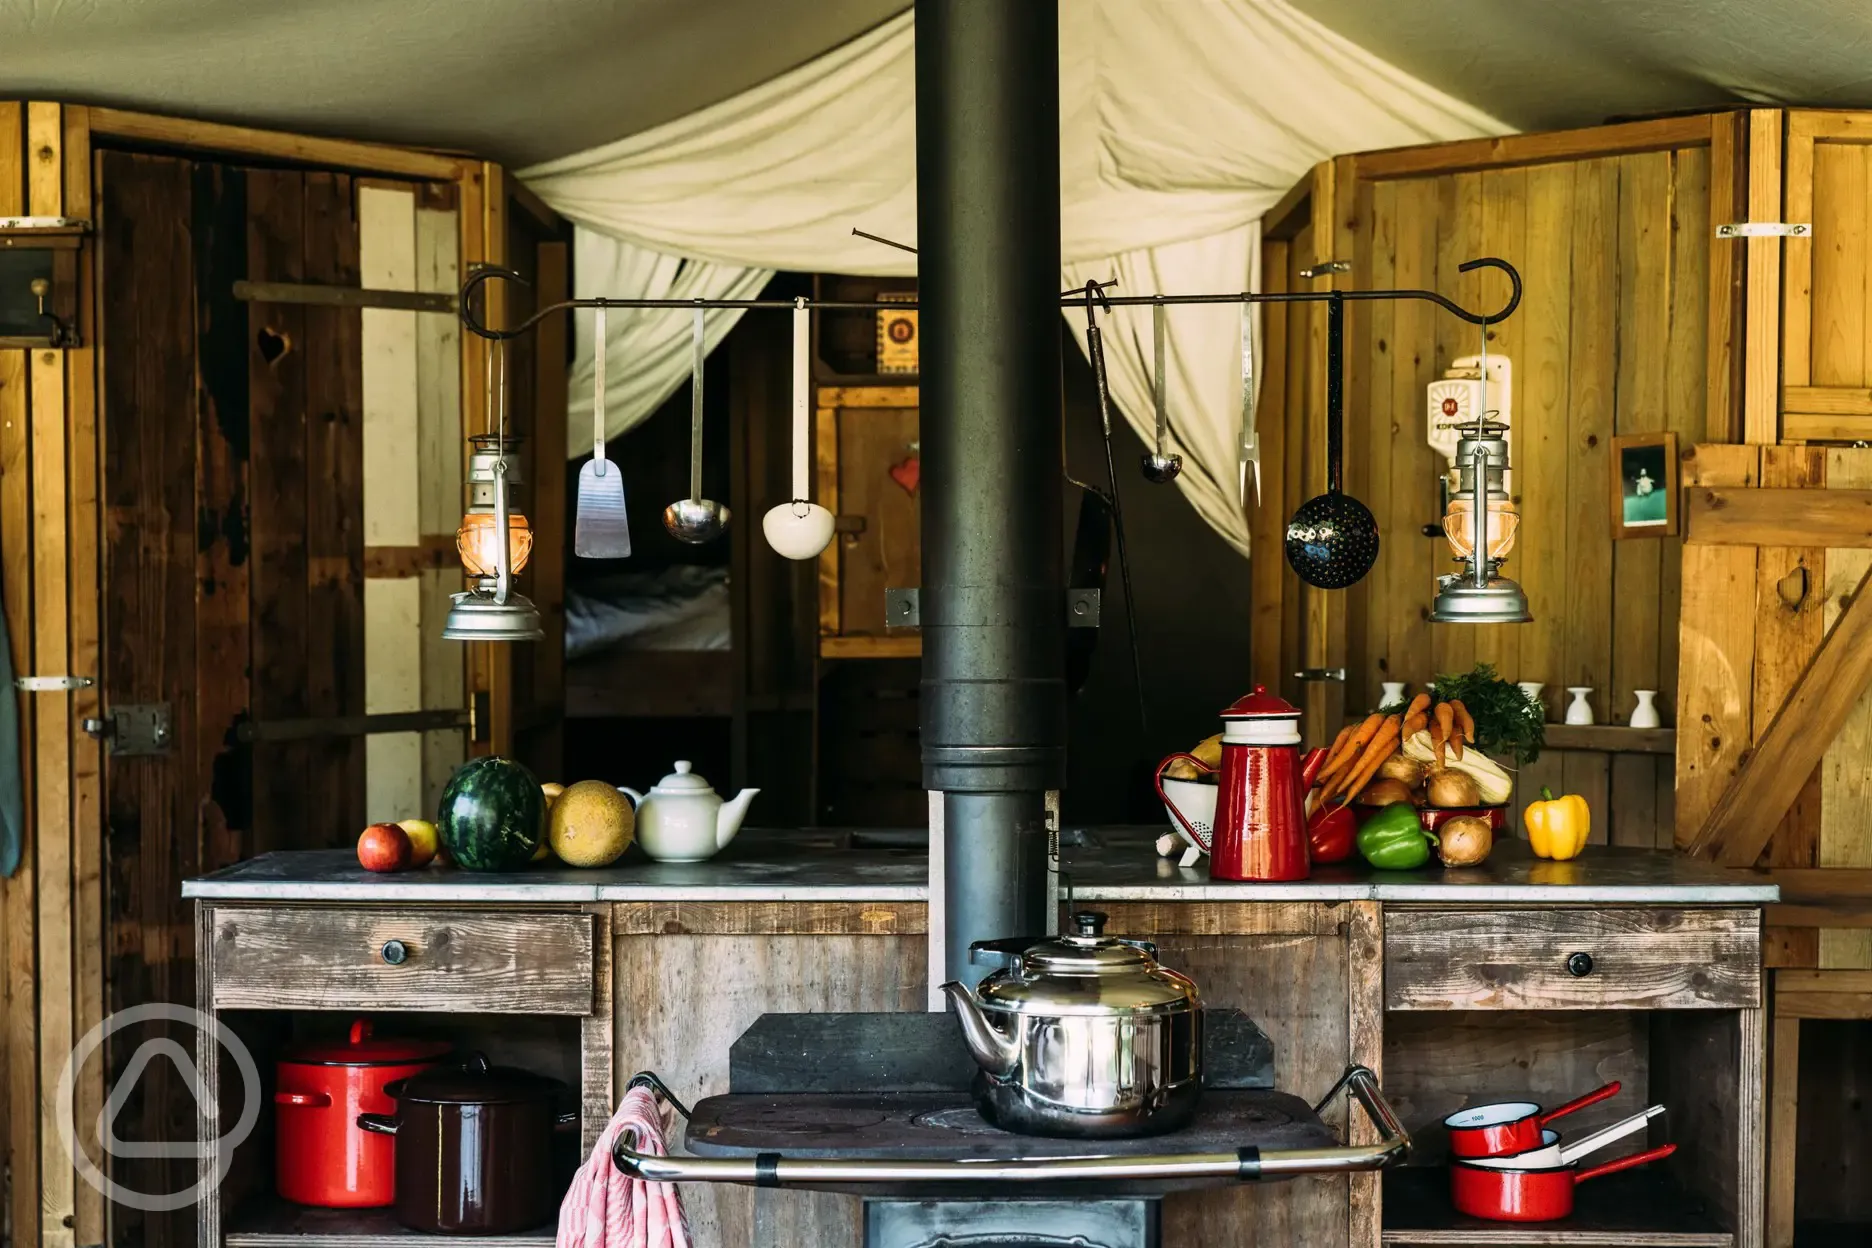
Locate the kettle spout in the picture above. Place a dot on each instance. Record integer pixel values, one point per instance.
(992, 1051)
(728, 818)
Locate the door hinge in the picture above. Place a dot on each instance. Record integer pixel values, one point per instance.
(138, 729)
(1326, 267)
(1763, 229)
(1321, 673)
(51, 684)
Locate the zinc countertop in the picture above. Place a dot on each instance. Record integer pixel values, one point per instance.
(1098, 864)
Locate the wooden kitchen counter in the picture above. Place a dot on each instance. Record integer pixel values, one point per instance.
(1521, 978)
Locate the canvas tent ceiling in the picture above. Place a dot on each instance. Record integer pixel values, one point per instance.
(529, 80)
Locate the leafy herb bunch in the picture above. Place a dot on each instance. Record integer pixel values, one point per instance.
(1507, 721)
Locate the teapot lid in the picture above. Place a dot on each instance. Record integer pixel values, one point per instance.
(1258, 703)
(683, 780)
(1087, 972)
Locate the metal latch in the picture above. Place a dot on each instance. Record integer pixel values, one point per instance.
(142, 728)
(1082, 608)
(51, 684)
(1763, 229)
(1321, 673)
(1325, 267)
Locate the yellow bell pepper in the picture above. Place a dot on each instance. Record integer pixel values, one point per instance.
(1557, 826)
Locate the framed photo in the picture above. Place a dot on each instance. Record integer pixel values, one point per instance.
(1644, 485)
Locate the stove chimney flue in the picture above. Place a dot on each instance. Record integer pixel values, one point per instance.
(993, 599)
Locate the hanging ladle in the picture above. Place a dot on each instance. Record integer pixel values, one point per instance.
(1160, 467)
(1332, 541)
(799, 528)
(695, 519)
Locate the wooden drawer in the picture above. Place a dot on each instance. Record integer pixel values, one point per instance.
(1640, 959)
(282, 958)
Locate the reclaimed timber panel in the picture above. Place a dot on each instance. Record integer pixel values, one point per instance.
(1309, 975)
(1727, 201)
(771, 918)
(1459, 239)
(1823, 994)
(1533, 149)
(1770, 778)
(152, 241)
(1761, 338)
(1642, 959)
(1802, 516)
(1708, 1069)
(1783, 1116)
(335, 507)
(276, 369)
(1438, 1063)
(1715, 648)
(211, 136)
(439, 482)
(1844, 832)
(887, 554)
(282, 958)
(599, 1092)
(682, 1000)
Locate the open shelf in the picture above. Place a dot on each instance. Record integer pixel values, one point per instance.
(275, 1223)
(1610, 739)
(1633, 1210)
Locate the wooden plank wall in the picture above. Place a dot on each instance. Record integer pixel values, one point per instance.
(1611, 338)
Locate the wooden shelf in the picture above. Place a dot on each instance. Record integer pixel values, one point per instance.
(1611, 739)
(1636, 1209)
(275, 1223)
(868, 646)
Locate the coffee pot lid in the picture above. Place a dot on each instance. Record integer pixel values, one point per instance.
(1258, 703)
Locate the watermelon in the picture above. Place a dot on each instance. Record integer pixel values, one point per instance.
(493, 815)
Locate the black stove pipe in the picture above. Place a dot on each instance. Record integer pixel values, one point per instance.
(993, 601)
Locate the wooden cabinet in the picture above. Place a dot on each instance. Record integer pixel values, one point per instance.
(869, 468)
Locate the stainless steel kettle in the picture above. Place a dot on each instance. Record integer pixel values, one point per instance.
(1085, 1035)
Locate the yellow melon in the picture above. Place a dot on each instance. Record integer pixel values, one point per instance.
(591, 824)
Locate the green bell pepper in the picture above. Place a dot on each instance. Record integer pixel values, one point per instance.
(1394, 839)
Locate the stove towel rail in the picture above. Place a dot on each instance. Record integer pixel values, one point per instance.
(1244, 1164)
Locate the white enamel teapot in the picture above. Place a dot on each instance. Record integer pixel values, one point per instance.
(682, 819)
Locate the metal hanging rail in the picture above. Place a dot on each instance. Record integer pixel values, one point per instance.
(470, 318)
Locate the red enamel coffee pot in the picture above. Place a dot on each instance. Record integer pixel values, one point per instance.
(1260, 819)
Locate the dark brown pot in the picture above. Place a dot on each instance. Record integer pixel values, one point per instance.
(475, 1148)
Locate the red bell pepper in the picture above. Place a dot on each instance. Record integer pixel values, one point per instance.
(1331, 832)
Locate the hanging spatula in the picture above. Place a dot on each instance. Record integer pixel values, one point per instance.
(602, 529)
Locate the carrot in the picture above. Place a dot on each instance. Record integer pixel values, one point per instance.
(1465, 719)
(1364, 733)
(1414, 724)
(1439, 735)
(1418, 706)
(1338, 744)
(1382, 746)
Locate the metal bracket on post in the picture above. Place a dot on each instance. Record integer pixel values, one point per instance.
(1321, 673)
(903, 608)
(1082, 608)
(51, 684)
(1326, 268)
(1763, 229)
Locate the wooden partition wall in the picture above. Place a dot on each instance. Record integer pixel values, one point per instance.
(1628, 305)
(181, 523)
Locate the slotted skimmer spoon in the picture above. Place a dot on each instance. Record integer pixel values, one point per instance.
(602, 527)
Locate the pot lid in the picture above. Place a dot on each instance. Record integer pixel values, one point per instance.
(1087, 972)
(363, 1049)
(475, 1082)
(1258, 703)
(683, 780)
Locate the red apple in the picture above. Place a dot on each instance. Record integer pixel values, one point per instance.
(384, 847)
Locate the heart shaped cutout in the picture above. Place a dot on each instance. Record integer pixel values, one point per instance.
(908, 474)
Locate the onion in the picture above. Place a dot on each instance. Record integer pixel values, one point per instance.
(1464, 841)
(1450, 788)
(1404, 769)
(1384, 791)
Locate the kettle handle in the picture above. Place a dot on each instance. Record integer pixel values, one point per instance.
(1157, 783)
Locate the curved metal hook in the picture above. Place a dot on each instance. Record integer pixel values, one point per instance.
(1514, 297)
(467, 304)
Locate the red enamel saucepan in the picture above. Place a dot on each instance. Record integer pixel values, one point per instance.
(1510, 1126)
(1530, 1195)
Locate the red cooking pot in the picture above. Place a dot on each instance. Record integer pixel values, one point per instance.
(1510, 1126)
(1530, 1195)
(323, 1157)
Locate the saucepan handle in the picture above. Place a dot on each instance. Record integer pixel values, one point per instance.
(309, 1100)
(1626, 1163)
(377, 1124)
(1581, 1102)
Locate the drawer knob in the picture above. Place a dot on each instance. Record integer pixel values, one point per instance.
(396, 953)
(1579, 964)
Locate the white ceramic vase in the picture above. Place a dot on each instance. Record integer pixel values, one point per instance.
(1645, 715)
(1579, 711)
(1393, 693)
(1531, 689)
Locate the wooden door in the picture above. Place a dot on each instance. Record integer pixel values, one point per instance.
(1826, 331)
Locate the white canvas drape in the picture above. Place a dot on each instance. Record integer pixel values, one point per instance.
(1181, 122)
